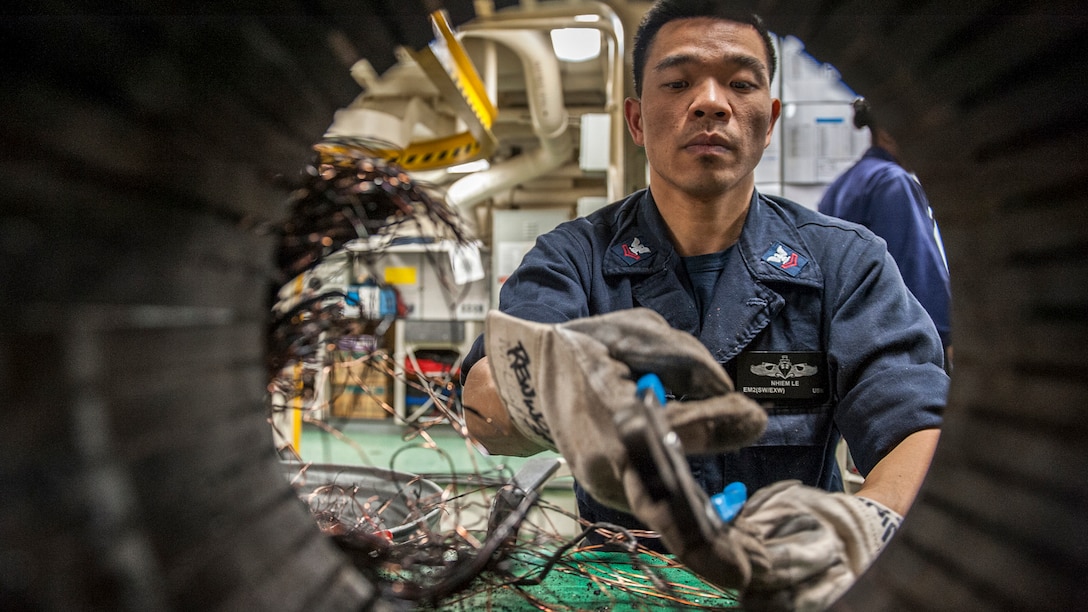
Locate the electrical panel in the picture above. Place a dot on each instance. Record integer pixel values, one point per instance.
(513, 233)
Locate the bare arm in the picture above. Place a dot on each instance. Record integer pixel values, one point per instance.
(895, 480)
(486, 417)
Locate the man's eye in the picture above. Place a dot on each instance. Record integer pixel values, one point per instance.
(675, 85)
(743, 85)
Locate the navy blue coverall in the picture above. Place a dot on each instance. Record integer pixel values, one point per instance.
(810, 317)
(881, 195)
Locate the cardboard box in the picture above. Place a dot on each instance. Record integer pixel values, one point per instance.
(359, 387)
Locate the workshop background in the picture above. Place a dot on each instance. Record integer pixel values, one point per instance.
(202, 338)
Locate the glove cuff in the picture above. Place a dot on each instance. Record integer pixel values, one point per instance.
(512, 347)
(876, 523)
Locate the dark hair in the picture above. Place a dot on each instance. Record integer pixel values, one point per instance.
(664, 11)
(863, 114)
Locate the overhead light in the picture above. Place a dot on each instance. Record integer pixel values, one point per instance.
(469, 167)
(576, 44)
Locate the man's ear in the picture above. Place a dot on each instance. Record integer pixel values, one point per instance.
(632, 112)
(776, 110)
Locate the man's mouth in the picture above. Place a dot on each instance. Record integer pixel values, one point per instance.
(708, 143)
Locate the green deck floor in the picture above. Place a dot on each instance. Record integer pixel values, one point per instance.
(383, 443)
(591, 581)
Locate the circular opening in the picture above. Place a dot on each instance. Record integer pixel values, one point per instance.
(103, 225)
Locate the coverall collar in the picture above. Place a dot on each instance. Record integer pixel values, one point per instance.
(641, 245)
(771, 255)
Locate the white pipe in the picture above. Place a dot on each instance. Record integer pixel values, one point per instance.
(549, 119)
(491, 70)
(561, 15)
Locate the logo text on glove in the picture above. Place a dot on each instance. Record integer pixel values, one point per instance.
(519, 362)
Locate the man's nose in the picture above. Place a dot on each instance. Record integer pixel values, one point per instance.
(711, 99)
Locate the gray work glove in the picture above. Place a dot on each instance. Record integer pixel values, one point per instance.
(562, 384)
(818, 544)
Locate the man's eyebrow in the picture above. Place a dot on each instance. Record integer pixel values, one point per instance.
(672, 61)
(752, 63)
(740, 59)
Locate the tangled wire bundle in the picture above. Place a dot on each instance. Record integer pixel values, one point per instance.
(345, 193)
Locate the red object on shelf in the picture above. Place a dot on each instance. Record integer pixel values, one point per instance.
(431, 362)
(427, 367)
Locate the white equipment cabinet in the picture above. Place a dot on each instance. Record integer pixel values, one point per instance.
(444, 289)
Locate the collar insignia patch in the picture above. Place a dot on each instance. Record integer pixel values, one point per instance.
(632, 252)
(785, 259)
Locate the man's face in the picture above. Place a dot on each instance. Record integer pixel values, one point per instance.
(706, 112)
